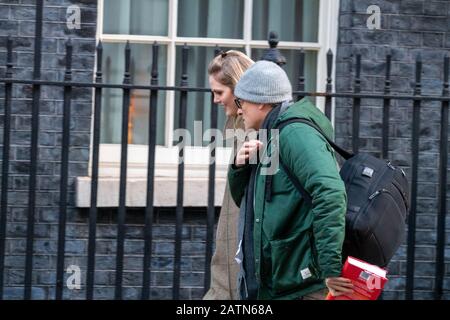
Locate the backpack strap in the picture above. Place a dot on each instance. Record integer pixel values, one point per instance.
(345, 154)
(306, 196)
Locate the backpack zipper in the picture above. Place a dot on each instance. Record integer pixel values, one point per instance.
(373, 195)
(376, 193)
(389, 164)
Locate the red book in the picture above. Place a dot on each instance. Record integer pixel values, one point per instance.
(368, 280)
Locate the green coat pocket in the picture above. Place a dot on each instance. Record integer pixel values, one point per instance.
(292, 263)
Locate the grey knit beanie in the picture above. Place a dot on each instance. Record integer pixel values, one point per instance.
(264, 82)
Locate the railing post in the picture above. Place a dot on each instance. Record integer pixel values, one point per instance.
(329, 87)
(180, 179)
(356, 106)
(64, 174)
(273, 53)
(33, 151)
(211, 193)
(123, 176)
(442, 211)
(149, 209)
(386, 106)
(94, 177)
(415, 158)
(301, 75)
(5, 161)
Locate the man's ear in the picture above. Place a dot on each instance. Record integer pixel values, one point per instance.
(263, 106)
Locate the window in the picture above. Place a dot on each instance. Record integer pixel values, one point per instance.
(201, 24)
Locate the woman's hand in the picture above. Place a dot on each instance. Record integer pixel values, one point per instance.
(247, 151)
(339, 286)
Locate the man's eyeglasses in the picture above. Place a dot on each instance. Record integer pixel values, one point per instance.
(238, 103)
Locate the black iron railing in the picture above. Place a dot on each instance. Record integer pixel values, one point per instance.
(154, 88)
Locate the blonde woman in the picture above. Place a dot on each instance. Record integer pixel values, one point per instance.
(224, 72)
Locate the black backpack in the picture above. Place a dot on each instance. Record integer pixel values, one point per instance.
(377, 203)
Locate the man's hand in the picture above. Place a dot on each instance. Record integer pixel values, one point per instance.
(339, 286)
(247, 152)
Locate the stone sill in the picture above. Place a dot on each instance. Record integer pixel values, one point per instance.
(165, 192)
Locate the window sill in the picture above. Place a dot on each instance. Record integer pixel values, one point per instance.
(165, 188)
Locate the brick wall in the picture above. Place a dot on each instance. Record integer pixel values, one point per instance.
(408, 28)
(17, 18)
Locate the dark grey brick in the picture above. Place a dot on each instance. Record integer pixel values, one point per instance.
(4, 12)
(105, 262)
(425, 252)
(14, 293)
(193, 248)
(104, 293)
(393, 295)
(394, 268)
(435, 8)
(395, 283)
(426, 221)
(199, 233)
(24, 12)
(162, 263)
(197, 293)
(385, 6)
(411, 7)
(8, 27)
(106, 246)
(132, 278)
(433, 40)
(45, 262)
(132, 293)
(424, 269)
(76, 246)
(423, 295)
(426, 237)
(26, 28)
(133, 263)
(198, 264)
(409, 39)
(400, 22)
(162, 293)
(345, 6)
(447, 40)
(68, 294)
(162, 278)
(190, 279)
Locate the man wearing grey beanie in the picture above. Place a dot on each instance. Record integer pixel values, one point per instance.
(288, 248)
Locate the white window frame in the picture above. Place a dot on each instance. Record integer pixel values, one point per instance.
(197, 158)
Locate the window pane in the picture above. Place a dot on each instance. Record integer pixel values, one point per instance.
(139, 17)
(293, 20)
(199, 103)
(113, 68)
(210, 18)
(292, 66)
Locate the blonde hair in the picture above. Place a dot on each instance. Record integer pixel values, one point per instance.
(228, 67)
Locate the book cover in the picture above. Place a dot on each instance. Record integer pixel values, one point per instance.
(368, 280)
